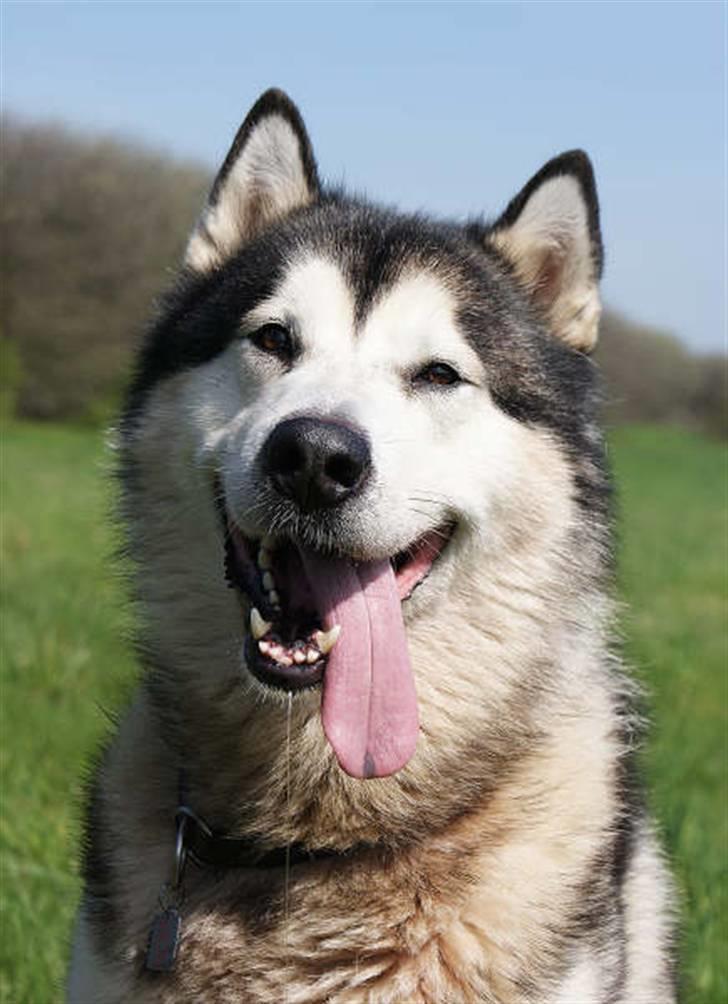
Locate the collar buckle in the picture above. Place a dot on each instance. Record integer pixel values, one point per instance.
(184, 816)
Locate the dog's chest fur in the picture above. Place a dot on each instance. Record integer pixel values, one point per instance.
(404, 932)
(439, 921)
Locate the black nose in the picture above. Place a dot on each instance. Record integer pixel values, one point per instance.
(316, 462)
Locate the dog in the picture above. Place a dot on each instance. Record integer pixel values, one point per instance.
(383, 747)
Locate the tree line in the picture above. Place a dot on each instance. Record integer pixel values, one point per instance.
(92, 229)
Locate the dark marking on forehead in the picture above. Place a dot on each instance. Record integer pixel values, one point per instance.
(375, 249)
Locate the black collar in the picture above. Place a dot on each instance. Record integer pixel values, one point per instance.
(216, 850)
(205, 847)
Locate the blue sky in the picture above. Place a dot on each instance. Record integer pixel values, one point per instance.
(447, 107)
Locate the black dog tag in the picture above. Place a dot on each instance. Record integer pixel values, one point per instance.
(164, 941)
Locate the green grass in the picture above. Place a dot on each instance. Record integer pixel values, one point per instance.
(65, 661)
(674, 576)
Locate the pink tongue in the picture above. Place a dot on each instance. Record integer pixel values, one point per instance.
(369, 707)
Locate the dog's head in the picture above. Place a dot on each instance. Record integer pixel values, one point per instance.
(378, 430)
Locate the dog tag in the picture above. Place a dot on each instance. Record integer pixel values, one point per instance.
(164, 941)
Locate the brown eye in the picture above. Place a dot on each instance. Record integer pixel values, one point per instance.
(275, 340)
(437, 375)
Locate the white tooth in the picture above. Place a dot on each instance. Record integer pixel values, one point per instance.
(274, 597)
(264, 647)
(258, 627)
(327, 639)
(299, 656)
(312, 655)
(264, 559)
(268, 582)
(284, 660)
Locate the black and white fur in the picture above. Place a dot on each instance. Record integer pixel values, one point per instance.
(555, 891)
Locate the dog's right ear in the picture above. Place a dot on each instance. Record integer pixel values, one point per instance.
(269, 171)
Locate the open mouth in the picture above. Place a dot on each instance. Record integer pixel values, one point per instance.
(322, 618)
(287, 644)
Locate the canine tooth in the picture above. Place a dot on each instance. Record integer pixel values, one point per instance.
(264, 559)
(327, 639)
(258, 627)
(268, 582)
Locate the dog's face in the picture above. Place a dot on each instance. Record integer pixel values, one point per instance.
(375, 419)
(390, 396)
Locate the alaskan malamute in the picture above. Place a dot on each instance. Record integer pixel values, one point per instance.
(382, 750)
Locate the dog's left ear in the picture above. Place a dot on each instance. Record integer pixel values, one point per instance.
(269, 171)
(550, 235)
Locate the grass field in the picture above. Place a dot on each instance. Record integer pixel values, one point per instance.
(65, 664)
